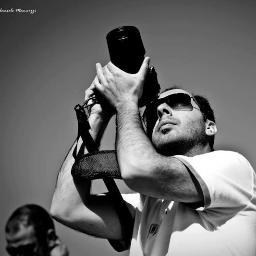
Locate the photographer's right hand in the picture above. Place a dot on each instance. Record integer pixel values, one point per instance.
(118, 87)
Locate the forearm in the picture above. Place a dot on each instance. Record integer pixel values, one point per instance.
(143, 169)
(75, 207)
(135, 150)
(67, 195)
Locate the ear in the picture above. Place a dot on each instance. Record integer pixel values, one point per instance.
(52, 239)
(210, 128)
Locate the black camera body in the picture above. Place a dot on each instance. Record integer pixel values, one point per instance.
(127, 52)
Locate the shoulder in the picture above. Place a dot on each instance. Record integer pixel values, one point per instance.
(221, 173)
(226, 154)
(218, 158)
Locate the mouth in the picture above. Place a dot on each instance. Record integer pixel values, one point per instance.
(166, 128)
(166, 125)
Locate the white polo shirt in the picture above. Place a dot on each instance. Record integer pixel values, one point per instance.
(225, 226)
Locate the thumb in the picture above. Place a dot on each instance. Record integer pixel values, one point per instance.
(144, 67)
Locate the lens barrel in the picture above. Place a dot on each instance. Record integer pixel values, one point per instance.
(126, 48)
(127, 52)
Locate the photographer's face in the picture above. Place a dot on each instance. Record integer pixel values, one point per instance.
(24, 242)
(177, 131)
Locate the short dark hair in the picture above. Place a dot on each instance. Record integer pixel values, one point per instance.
(30, 215)
(203, 103)
(207, 112)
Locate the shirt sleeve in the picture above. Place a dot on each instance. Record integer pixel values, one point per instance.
(225, 177)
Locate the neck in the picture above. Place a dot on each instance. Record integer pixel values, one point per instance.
(186, 151)
(198, 150)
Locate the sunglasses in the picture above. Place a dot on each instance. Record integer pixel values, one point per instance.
(176, 101)
(26, 250)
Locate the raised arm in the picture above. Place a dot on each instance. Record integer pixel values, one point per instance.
(73, 204)
(142, 167)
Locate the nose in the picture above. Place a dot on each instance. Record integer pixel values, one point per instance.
(164, 109)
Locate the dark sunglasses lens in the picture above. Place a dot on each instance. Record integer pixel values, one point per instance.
(179, 101)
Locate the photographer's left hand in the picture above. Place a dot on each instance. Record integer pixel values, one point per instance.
(119, 87)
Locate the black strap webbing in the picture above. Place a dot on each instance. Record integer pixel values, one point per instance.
(122, 210)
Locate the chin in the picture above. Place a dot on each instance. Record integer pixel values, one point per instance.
(164, 138)
(168, 144)
(165, 146)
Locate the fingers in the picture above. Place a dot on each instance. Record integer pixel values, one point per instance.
(108, 75)
(105, 78)
(89, 91)
(97, 83)
(100, 74)
(114, 69)
(142, 72)
(98, 86)
(144, 67)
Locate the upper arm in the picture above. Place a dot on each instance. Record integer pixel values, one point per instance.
(165, 177)
(74, 206)
(98, 217)
(226, 178)
(215, 179)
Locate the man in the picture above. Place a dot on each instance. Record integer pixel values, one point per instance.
(191, 200)
(30, 231)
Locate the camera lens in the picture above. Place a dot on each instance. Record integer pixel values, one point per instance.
(126, 48)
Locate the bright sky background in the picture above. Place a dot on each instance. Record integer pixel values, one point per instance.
(48, 60)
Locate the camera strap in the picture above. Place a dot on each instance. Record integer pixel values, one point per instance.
(78, 168)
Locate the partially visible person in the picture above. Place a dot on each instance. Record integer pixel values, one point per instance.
(30, 231)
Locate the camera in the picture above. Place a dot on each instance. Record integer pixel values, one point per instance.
(127, 52)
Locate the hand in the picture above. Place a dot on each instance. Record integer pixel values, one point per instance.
(117, 86)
